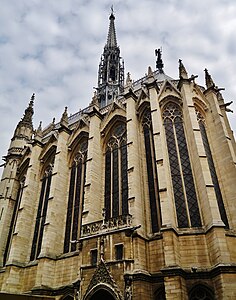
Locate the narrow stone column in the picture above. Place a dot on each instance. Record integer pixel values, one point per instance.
(93, 197)
(136, 201)
(223, 154)
(8, 194)
(162, 161)
(200, 168)
(23, 235)
(54, 227)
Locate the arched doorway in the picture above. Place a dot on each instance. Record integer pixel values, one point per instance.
(102, 295)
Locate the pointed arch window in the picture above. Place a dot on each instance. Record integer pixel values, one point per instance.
(76, 197)
(116, 177)
(42, 212)
(151, 171)
(186, 203)
(13, 220)
(220, 202)
(201, 292)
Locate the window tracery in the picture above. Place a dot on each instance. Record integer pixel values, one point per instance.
(151, 171)
(76, 197)
(116, 177)
(181, 172)
(202, 126)
(42, 211)
(14, 219)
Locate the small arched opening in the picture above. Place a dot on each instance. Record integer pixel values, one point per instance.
(102, 294)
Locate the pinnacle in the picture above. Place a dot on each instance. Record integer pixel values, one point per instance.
(209, 81)
(182, 71)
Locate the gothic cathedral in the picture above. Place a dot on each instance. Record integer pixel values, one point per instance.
(133, 197)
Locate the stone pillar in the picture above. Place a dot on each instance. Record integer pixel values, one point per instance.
(200, 168)
(175, 288)
(93, 197)
(136, 195)
(54, 227)
(162, 161)
(8, 193)
(223, 154)
(23, 235)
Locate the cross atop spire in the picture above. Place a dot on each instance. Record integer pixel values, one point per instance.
(111, 38)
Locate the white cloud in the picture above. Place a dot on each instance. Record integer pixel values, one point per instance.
(53, 48)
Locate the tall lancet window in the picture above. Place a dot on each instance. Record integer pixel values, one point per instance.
(42, 212)
(151, 171)
(186, 202)
(116, 177)
(214, 177)
(14, 219)
(76, 197)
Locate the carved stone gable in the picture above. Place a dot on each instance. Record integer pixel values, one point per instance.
(102, 275)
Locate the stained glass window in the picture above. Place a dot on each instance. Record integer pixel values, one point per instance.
(116, 177)
(13, 220)
(186, 203)
(42, 212)
(214, 177)
(76, 197)
(151, 171)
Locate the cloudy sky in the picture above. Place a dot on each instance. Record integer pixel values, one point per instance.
(53, 48)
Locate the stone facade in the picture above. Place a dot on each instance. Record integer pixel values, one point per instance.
(69, 227)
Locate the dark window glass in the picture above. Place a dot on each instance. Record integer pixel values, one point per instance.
(41, 213)
(94, 257)
(13, 220)
(151, 171)
(119, 252)
(116, 177)
(76, 197)
(214, 177)
(186, 203)
(201, 292)
(160, 294)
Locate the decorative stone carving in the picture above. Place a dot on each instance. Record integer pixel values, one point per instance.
(102, 275)
(109, 225)
(128, 288)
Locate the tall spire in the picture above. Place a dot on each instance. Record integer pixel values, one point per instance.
(111, 38)
(111, 68)
(24, 130)
(27, 121)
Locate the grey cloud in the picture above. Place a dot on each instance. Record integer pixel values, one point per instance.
(53, 48)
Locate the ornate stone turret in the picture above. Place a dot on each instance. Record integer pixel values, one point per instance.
(111, 69)
(24, 130)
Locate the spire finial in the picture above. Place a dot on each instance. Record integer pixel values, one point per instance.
(111, 38)
(159, 62)
(182, 71)
(209, 82)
